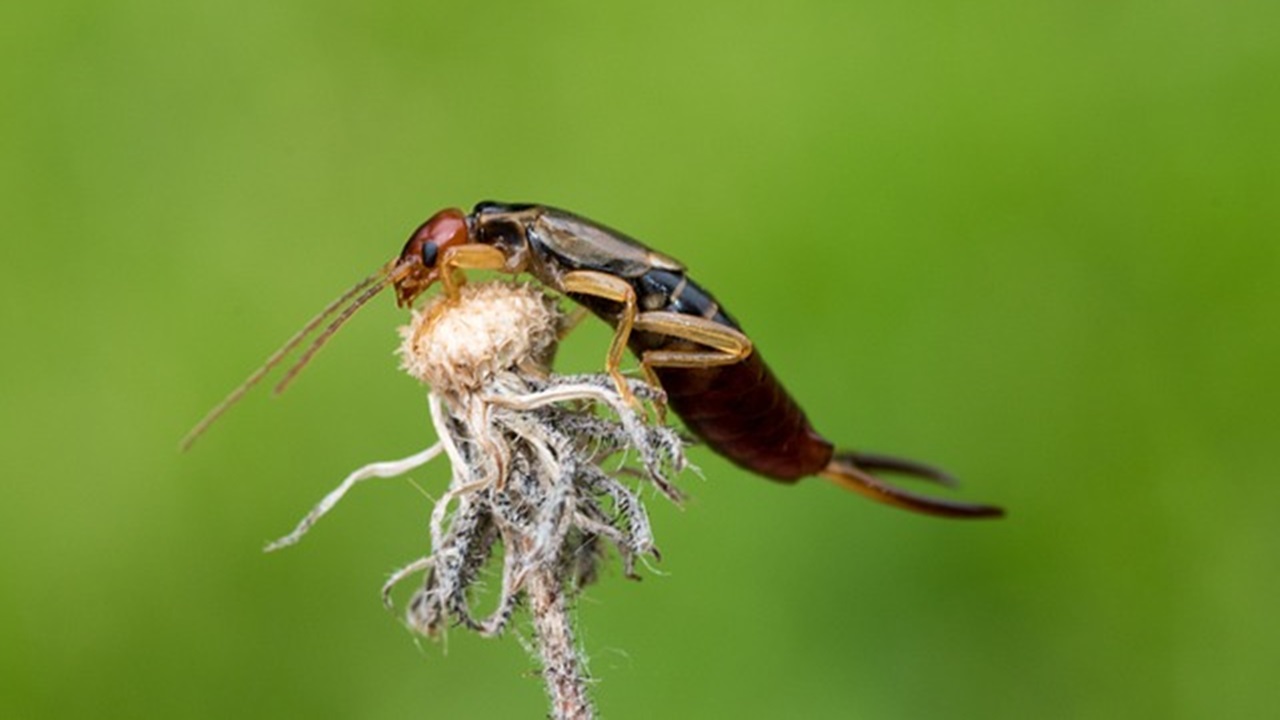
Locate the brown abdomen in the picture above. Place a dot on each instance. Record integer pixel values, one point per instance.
(743, 413)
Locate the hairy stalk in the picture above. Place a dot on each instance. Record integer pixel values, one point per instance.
(561, 666)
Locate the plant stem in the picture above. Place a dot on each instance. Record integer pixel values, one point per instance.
(561, 666)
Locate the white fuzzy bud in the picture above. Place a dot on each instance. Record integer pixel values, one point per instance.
(459, 345)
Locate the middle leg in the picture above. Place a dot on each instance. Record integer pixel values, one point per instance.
(609, 287)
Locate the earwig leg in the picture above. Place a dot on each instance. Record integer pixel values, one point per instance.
(387, 469)
(654, 381)
(844, 473)
(727, 345)
(609, 287)
(472, 256)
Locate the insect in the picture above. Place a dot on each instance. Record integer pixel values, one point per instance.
(712, 373)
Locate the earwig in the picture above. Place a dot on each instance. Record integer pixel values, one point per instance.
(711, 372)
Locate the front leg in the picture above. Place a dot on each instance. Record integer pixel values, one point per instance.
(472, 256)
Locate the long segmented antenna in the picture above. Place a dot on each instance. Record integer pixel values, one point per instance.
(378, 280)
(333, 327)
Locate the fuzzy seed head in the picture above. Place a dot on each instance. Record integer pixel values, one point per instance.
(459, 345)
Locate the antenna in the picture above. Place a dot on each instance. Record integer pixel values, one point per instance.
(362, 291)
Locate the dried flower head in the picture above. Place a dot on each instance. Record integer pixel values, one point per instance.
(458, 345)
(537, 465)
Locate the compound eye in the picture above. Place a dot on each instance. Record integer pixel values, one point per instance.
(430, 253)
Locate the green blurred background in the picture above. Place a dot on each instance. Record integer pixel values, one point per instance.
(1033, 242)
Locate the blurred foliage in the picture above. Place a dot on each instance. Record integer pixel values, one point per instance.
(1033, 242)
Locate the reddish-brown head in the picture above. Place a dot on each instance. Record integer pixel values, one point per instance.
(418, 266)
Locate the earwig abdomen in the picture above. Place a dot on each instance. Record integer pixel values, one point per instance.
(743, 413)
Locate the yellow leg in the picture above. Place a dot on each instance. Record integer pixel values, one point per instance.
(652, 378)
(725, 345)
(609, 287)
(472, 256)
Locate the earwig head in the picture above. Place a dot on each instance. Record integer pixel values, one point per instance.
(418, 266)
(412, 273)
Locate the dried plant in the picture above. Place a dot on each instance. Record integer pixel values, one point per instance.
(538, 462)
